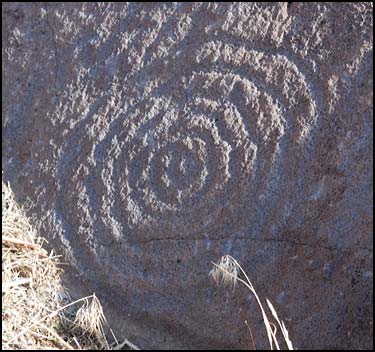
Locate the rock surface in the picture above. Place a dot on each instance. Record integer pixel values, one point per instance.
(147, 140)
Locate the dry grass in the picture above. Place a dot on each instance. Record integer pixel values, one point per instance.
(37, 312)
(227, 272)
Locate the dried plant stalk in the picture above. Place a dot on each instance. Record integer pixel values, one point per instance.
(226, 271)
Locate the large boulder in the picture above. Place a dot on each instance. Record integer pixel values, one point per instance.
(146, 140)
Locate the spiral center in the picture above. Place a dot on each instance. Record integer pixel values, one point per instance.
(182, 170)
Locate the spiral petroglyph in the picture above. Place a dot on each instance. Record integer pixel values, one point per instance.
(198, 152)
(147, 140)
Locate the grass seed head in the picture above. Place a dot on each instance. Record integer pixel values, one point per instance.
(225, 271)
(91, 319)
